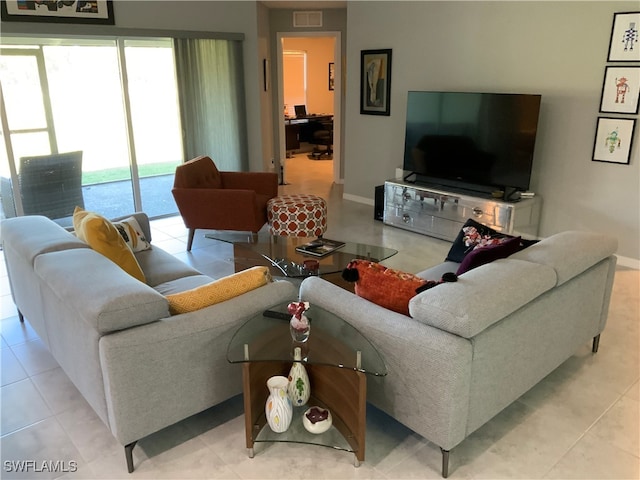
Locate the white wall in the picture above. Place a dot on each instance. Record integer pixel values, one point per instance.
(557, 49)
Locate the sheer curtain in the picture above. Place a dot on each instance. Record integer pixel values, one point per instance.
(212, 105)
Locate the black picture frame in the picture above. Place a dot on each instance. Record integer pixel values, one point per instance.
(624, 45)
(620, 90)
(375, 82)
(614, 140)
(98, 12)
(332, 76)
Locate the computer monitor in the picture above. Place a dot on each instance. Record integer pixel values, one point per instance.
(301, 110)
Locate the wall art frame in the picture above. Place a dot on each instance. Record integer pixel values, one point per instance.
(624, 45)
(61, 11)
(620, 90)
(613, 140)
(375, 82)
(332, 76)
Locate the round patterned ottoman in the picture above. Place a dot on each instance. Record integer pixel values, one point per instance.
(297, 215)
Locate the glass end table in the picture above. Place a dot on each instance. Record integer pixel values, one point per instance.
(338, 359)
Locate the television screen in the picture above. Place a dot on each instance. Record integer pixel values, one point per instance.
(471, 139)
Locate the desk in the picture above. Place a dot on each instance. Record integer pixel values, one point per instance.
(300, 129)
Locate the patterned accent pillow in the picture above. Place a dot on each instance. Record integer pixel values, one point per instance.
(219, 290)
(389, 288)
(132, 234)
(472, 235)
(102, 236)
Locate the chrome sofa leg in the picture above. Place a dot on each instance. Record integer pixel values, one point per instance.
(596, 343)
(445, 462)
(128, 453)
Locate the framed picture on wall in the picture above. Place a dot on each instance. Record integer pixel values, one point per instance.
(61, 11)
(375, 82)
(614, 139)
(620, 90)
(624, 45)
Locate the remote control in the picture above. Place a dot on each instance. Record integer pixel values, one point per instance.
(278, 315)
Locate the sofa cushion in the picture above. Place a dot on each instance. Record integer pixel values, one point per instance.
(132, 234)
(182, 284)
(387, 287)
(560, 252)
(478, 304)
(103, 237)
(218, 290)
(159, 266)
(481, 255)
(471, 235)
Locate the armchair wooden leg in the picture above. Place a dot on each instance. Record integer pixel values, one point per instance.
(192, 232)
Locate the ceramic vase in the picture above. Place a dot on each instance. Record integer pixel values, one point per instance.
(278, 409)
(300, 328)
(299, 388)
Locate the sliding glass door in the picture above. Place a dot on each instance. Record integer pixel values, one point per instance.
(115, 101)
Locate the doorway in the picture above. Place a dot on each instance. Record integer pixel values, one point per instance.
(322, 88)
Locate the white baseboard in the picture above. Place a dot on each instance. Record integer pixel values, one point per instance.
(358, 199)
(628, 262)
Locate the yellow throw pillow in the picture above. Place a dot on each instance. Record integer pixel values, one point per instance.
(218, 290)
(102, 236)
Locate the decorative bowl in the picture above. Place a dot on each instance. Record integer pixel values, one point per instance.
(317, 420)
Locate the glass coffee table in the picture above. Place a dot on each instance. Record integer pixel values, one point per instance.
(279, 253)
(338, 359)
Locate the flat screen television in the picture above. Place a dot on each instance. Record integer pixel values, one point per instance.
(473, 141)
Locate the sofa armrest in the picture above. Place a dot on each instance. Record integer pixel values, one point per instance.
(429, 370)
(181, 359)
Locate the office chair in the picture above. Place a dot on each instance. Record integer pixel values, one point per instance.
(323, 136)
(210, 199)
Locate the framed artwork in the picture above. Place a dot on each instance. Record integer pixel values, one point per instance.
(375, 82)
(623, 45)
(57, 11)
(332, 76)
(620, 90)
(614, 139)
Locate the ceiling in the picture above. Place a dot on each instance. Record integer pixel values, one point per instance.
(305, 4)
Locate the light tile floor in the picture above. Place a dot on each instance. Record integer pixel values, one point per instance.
(580, 422)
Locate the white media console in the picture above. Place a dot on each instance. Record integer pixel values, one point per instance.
(441, 213)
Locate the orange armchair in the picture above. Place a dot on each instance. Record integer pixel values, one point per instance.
(210, 199)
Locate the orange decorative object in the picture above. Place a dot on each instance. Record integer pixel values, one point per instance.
(210, 199)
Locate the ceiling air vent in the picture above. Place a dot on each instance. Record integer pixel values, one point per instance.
(307, 19)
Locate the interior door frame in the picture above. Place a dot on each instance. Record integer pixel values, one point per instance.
(337, 96)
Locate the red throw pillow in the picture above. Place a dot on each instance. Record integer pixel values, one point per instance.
(384, 286)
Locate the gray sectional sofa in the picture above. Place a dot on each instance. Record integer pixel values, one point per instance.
(471, 348)
(138, 367)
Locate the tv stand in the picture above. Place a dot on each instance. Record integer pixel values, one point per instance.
(441, 212)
